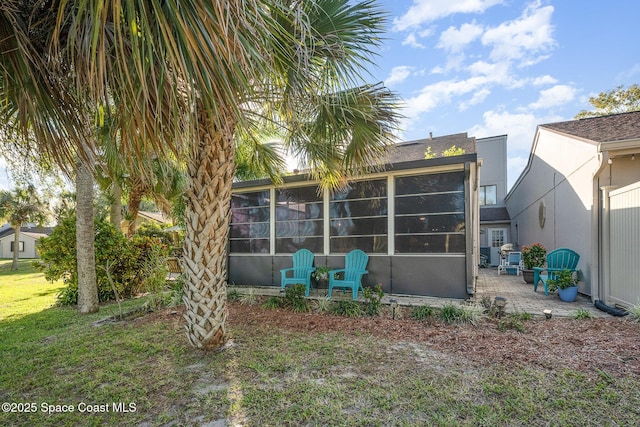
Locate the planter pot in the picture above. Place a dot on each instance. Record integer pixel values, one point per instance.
(527, 275)
(569, 294)
(321, 284)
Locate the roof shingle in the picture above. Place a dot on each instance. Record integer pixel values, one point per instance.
(414, 150)
(617, 127)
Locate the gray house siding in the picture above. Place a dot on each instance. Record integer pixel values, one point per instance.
(552, 202)
(492, 153)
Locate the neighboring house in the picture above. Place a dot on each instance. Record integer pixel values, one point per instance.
(417, 220)
(29, 236)
(495, 223)
(581, 190)
(146, 216)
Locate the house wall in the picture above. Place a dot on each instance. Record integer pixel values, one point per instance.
(557, 190)
(493, 153)
(29, 247)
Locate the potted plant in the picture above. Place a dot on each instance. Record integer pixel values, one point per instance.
(321, 276)
(566, 283)
(532, 256)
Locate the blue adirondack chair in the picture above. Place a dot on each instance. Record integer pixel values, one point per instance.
(355, 264)
(557, 260)
(300, 272)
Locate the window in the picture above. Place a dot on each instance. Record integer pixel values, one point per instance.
(250, 215)
(299, 220)
(488, 195)
(430, 214)
(359, 218)
(20, 246)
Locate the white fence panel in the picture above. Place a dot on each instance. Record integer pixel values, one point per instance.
(625, 245)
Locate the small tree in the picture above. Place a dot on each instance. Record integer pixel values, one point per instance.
(449, 152)
(615, 101)
(20, 206)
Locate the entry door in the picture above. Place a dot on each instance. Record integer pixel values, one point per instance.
(497, 238)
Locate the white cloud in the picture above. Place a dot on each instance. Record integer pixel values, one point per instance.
(515, 166)
(442, 92)
(544, 80)
(412, 41)
(519, 126)
(520, 129)
(520, 39)
(455, 40)
(425, 11)
(553, 97)
(454, 62)
(629, 74)
(478, 98)
(398, 75)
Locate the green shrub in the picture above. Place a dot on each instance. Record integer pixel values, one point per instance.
(582, 313)
(232, 294)
(273, 302)
(249, 297)
(451, 314)
(347, 308)
(373, 295)
(134, 265)
(295, 299)
(154, 231)
(422, 312)
(511, 322)
(322, 305)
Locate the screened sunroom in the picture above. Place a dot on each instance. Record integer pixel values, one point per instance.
(417, 221)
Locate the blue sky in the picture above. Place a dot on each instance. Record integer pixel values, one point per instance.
(493, 67)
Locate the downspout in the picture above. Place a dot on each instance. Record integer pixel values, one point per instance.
(597, 253)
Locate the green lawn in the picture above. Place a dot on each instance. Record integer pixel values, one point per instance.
(24, 291)
(143, 372)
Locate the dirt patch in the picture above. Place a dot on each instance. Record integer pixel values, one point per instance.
(610, 346)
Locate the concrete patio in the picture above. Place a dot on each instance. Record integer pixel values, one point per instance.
(521, 298)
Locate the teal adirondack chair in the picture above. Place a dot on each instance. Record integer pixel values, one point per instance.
(557, 260)
(355, 264)
(300, 272)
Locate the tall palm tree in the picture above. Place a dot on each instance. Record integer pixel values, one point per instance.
(42, 113)
(18, 207)
(193, 77)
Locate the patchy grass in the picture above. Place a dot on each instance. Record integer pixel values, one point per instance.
(275, 376)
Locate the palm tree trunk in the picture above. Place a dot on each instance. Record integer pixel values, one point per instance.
(87, 283)
(138, 190)
(207, 217)
(115, 212)
(16, 246)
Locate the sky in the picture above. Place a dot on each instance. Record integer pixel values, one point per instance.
(495, 67)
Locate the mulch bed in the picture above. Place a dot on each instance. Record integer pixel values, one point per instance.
(605, 345)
